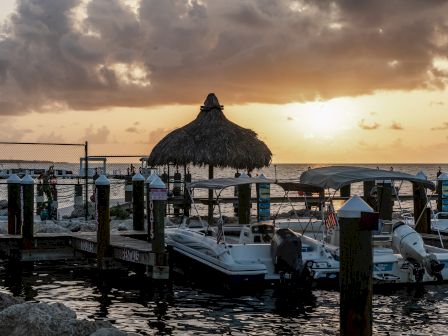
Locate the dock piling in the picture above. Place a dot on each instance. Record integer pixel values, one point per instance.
(102, 185)
(356, 264)
(244, 193)
(385, 202)
(14, 205)
(128, 189)
(28, 211)
(422, 220)
(138, 202)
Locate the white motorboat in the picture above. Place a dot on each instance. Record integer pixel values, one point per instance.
(399, 254)
(251, 253)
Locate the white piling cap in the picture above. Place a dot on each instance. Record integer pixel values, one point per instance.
(244, 175)
(27, 179)
(421, 175)
(262, 176)
(150, 178)
(102, 181)
(157, 183)
(353, 208)
(443, 176)
(13, 179)
(138, 177)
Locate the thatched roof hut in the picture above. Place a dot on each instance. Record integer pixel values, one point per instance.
(211, 139)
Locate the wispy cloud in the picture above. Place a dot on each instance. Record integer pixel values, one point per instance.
(118, 55)
(443, 127)
(396, 126)
(362, 124)
(290, 118)
(133, 129)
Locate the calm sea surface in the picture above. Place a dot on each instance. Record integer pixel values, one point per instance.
(186, 307)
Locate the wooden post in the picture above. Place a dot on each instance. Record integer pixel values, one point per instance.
(128, 189)
(385, 202)
(263, 200)
(14, 206)
(244, 193)
(187, 198)
(78, 201)
(345, 191)
(368, 198)
(210, 197)
(102, 185)
(422, 224)
(28, 211)
(157, 203)
(39, 197)
(150, 220)
(442, 192)
(356, 265)
(138, 202)
(235, 193)
(177, 189)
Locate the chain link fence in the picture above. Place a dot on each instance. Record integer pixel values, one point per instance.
(60, 173)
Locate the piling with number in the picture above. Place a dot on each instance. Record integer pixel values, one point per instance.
(138, 202)
(356, 265)
(102, 185)
(244, 191)
(14, 205)
(442, 192)
(367, 193)
(28, 211)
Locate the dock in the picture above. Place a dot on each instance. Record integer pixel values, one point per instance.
(78, 245)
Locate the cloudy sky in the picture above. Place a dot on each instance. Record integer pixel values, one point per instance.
(319, 81)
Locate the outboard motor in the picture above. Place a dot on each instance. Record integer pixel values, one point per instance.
(410, 245)
(286, 251)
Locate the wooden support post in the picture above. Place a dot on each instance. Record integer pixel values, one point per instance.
(150, 220)
(128, 189)
(368, 198)
(28, 211)
(345, 191)
(78, 201)
(14, 205)
(385, 202)
(138, 202)
(263, 200)
(356, 265)
(210, 197)
(102, 185)
(422, 222)
(244, 193)
(187, 198)
(40, 197)
(177, 189)
(157, 203)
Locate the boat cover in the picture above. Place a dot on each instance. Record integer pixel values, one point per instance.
(222, 183)
(225, 182)
(335, 177)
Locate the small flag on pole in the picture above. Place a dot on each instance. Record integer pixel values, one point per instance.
(220, 233)
(331, 219)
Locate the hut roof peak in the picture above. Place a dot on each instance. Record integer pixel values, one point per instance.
(211, 102)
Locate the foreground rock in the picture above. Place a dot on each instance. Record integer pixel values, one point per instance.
(41, 319)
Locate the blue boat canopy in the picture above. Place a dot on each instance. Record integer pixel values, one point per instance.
(335, 177)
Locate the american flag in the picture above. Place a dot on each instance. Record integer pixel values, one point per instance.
(330, 219)
(220, 233)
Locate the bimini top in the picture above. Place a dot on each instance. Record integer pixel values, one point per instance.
(335, 177)
(222, 183)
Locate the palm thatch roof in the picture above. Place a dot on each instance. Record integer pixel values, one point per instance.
(211, 139)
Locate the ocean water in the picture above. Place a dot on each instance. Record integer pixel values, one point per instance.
(186, 306)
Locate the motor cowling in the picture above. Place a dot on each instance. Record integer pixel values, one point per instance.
(286, 252)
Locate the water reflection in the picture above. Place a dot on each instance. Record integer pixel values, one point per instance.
(136, 304)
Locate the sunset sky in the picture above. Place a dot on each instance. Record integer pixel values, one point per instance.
(319, 81)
